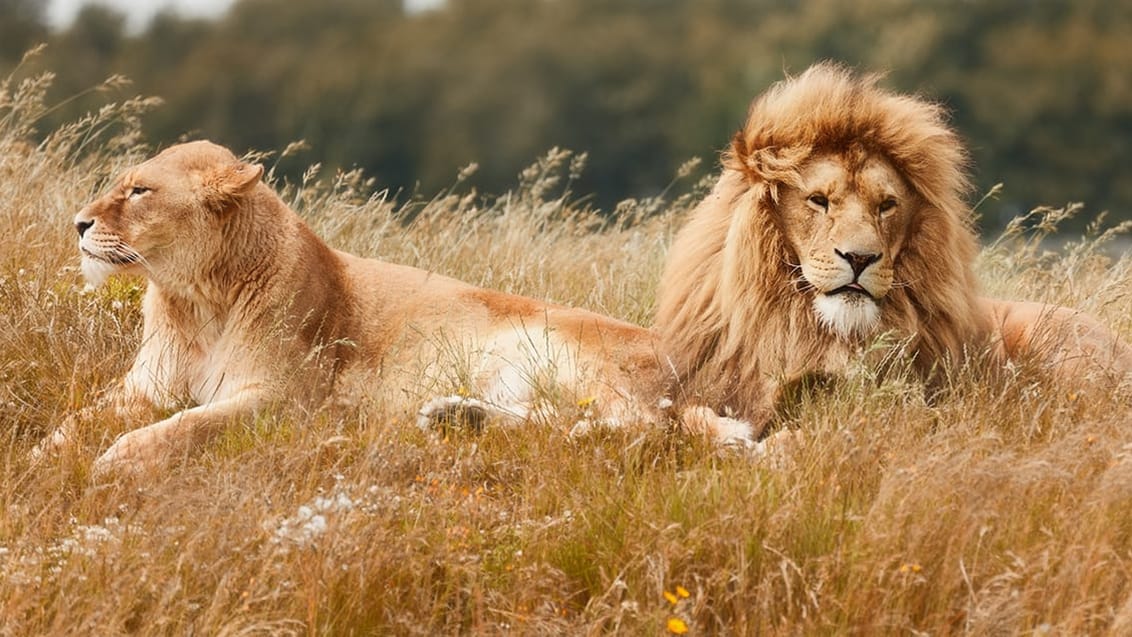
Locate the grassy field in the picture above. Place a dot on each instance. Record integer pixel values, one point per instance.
(1001, 509)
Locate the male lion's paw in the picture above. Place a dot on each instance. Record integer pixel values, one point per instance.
(585, 426)
(779, 448)
(722, 430)
(732, 431)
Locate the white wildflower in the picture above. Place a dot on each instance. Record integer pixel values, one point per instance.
(310, 520)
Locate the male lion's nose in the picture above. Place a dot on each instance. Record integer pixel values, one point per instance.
(83, 226)
(858, 260)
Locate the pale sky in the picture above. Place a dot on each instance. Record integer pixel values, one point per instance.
(61, 12)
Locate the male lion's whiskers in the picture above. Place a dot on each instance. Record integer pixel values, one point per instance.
(798, 283)
(905, 284)
(797, 280)
(794, 267)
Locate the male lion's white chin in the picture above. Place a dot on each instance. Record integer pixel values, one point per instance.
(96, 272)
(847, 314)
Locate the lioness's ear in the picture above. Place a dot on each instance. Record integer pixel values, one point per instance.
(226, 184)
(239, 178)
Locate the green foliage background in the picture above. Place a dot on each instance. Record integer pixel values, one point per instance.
(1041, 89)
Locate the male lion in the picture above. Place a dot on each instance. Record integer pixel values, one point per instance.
(246, 307)
(839, 216)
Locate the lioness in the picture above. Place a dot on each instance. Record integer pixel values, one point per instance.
(840, 216)
(246, 307)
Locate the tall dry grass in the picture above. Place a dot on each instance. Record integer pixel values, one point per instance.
(1002, 509)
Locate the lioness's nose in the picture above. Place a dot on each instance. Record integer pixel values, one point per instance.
(83, 226)
(858, 260)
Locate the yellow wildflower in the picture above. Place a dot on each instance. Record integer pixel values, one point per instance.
(676, 626)
(587, 401)
(682, 592)
(670, 597)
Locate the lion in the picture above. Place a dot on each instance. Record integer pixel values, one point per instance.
(246, 308)
(839, 216)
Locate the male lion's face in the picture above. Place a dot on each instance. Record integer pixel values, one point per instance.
(160, 217)
(846, 221)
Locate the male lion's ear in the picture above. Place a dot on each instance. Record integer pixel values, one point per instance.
(226, 184)
(768, 164)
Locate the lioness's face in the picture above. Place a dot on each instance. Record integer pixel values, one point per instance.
(156, 218)
(846, 222)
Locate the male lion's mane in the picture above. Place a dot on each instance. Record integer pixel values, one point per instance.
(735, 316)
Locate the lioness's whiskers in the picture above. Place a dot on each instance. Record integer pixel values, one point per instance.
(130, 254)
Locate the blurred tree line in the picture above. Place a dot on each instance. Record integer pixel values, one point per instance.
(1041, 89)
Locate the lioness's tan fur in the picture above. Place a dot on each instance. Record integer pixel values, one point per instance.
(737, 299)
(246, 307)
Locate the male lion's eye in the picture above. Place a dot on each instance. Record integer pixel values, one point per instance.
(886, 205)
(819, 200)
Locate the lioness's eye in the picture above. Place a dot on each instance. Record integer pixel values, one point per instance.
(886, 205)
(819, 200)
(138, 190)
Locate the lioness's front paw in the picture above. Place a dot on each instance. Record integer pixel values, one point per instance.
(452, 410)
(131, 454)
